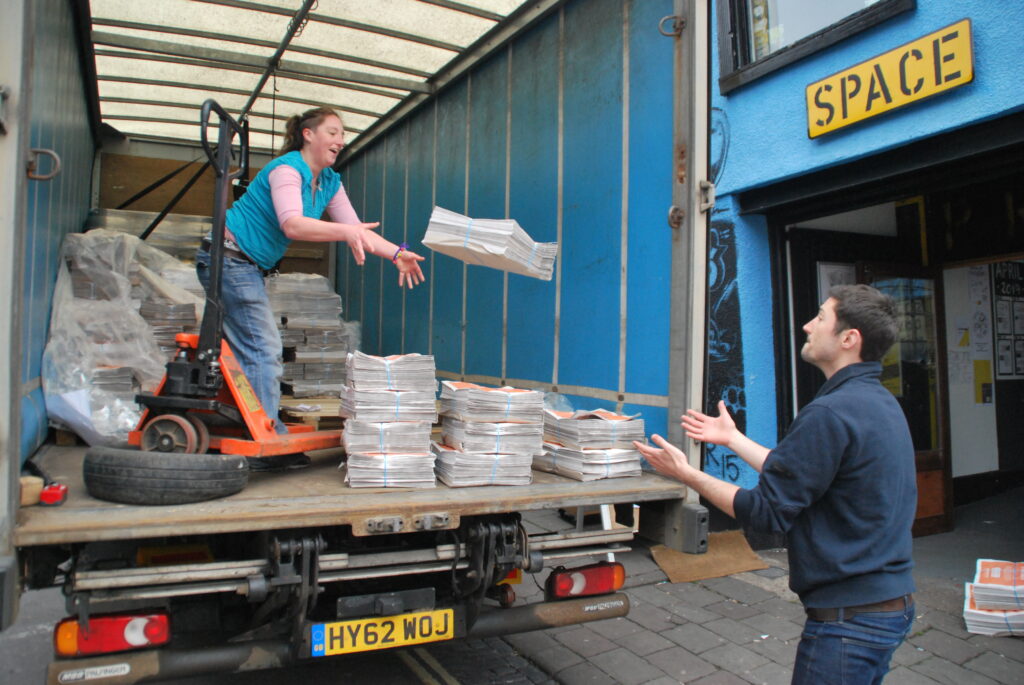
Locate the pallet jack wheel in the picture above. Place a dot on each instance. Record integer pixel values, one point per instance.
(202, 431)
(169, 433)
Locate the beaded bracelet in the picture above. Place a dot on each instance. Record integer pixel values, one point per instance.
(398, 253)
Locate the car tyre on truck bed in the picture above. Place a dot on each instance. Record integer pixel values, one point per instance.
(137, 477)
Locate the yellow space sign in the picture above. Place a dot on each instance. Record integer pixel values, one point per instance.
(938, 62)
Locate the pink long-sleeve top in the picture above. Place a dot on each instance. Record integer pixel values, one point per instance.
(286, 193)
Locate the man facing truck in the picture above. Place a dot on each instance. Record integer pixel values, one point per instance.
(841, 485)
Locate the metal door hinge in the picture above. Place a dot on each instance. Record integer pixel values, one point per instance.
(675, 27)
(707, 195)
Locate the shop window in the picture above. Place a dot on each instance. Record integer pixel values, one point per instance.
(756, 37)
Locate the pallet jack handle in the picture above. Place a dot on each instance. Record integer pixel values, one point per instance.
(210, 330)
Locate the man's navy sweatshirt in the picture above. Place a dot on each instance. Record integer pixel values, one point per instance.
(842, 486)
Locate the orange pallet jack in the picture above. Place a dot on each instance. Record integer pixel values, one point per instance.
(205, 402)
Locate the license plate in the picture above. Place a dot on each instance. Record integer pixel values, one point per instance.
(381, 632)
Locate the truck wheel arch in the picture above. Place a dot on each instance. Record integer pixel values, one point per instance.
(136, 477)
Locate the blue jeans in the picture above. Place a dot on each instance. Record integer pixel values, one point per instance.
(250, 328)
(851, 650)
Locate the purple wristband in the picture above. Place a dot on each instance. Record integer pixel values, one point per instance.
(401, 248)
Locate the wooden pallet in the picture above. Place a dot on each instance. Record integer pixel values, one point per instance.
(325, 418)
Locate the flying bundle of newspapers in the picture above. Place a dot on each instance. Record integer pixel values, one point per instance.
(387, 437)
(375, 470)
(492, 438)
(456, 468)
(597, 429)
(397, 372)
(472, 402)
(498, 243)
(593, 464)
(994, 602)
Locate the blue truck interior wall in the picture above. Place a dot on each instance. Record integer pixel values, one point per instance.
(59, 121)
(568, 130)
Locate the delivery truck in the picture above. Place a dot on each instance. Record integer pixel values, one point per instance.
(584, 120)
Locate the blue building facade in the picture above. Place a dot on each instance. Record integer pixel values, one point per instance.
(916, 188)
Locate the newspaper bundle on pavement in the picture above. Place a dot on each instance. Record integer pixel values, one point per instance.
(497, 243)
(389, 403)
(472, 402)
(994, 602)
(588, 464)
(456, 468)
(599, 429)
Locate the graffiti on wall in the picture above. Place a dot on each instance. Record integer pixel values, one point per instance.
(725, 378)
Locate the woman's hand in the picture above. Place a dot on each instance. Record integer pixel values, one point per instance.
(718, 430)
(409, 272)
(358, 238)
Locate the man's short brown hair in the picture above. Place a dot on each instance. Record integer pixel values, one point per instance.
(871, 312)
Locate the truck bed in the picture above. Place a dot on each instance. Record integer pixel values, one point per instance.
(315, 496)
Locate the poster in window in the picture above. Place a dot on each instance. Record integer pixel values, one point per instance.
(834, 273)
(1004, 322)
(1004, 356)
(1018, 355)
(1018, 317)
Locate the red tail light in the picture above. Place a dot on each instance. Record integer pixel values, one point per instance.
(111, 633)
(596, 579)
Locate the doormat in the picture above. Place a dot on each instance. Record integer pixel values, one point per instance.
(727, 553)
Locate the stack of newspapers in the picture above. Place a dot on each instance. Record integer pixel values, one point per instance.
(389, 406)
(497, 243)
(590, 445)
(994, 602)
(599, 429)
(489, 435)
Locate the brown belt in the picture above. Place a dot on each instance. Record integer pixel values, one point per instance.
(826, 615)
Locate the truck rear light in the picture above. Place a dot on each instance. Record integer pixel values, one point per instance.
(111, 633)
(597, 579)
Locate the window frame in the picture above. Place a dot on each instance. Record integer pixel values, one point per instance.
(735, 66)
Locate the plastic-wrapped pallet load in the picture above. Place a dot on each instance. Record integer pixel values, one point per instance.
(387, 431)
(599, 428)
(456, 468)
(497, 243)
(591, 464)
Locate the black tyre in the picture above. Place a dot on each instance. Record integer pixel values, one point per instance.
(136, 477)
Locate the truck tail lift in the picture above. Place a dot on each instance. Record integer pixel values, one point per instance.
(205, 401)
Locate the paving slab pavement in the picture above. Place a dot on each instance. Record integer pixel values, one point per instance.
(744, 628)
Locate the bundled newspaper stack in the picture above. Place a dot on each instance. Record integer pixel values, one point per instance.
(317, 357)
(498, 243)
(490, 434)
(599, 429)
(457, 469)
(167, 319)
(389, 406)
(994, 602)
(590, 445)
(472, 402)
(591, 464)
(304, 301)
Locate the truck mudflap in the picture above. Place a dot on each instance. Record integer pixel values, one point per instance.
(162, 664)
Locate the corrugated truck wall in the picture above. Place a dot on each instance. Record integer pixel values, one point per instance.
(568, 130)
(60, 122)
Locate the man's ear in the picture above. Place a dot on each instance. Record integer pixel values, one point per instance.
(851, 339)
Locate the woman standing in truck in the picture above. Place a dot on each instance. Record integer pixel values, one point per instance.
(284, 203)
